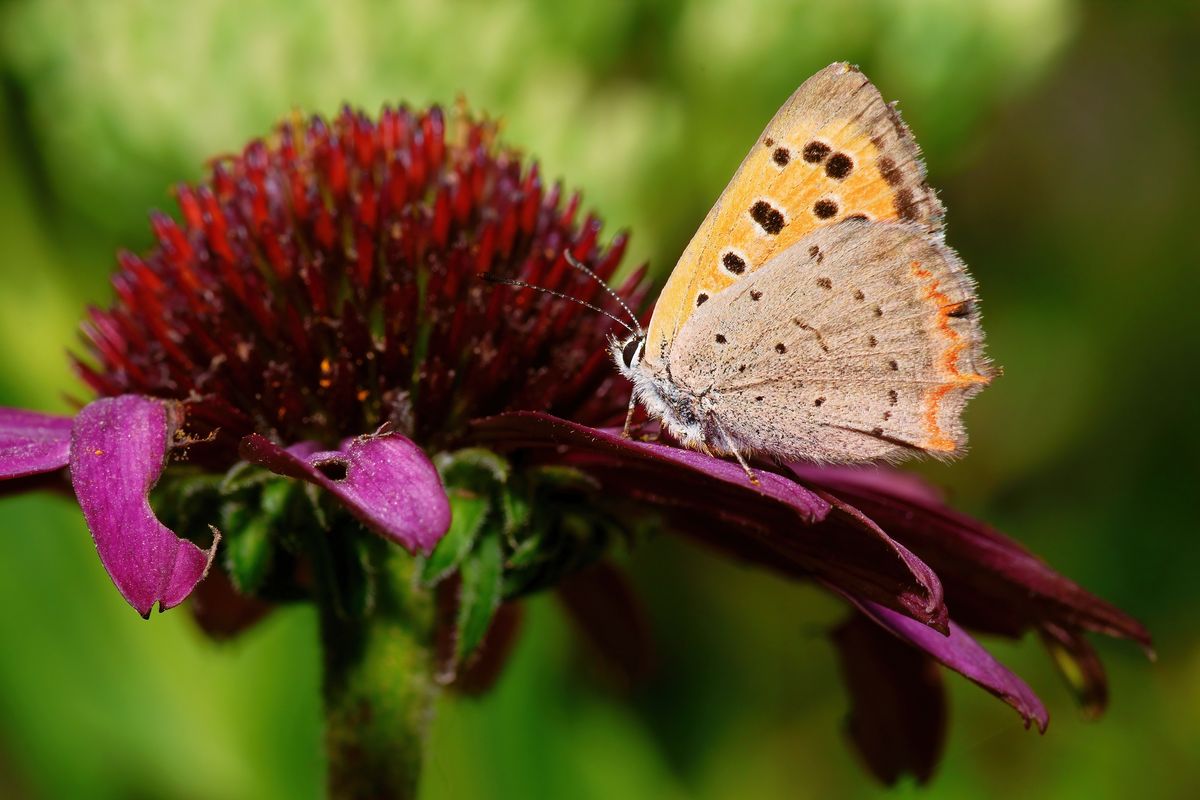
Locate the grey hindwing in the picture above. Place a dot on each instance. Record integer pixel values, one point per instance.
(833, 350)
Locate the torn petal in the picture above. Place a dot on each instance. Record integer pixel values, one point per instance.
(32, 443)
(386, 481)
(964, 655)
(117, 451)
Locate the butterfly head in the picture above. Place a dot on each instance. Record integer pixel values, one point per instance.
(628, 352)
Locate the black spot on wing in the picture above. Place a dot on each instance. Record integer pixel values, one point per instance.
(815, 152)
(839, 166)
(826, 208)
(769, 218)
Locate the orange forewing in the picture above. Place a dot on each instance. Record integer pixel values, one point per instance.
(834, 150)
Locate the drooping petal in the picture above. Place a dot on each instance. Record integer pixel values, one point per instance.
(610, 618)
(964, 655)
(1081, 667)
(386, 481)
(897, 701)
(992, 583)
(118, 447)
(32, 443)
(773, 523)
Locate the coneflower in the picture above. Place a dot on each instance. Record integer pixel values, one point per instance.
(309, 354)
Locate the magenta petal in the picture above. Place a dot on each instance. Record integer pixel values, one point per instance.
(533, 429)
(924, 599)
(118, 446)
(32, 443)
(992, 582)
(964, 655)
(386, 481)
(777, 523)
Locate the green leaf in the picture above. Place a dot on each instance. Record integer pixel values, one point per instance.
(468, 512)
(479, 594)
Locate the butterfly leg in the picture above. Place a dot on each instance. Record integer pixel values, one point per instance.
(730, 448)
(629, 415)
(749, 472)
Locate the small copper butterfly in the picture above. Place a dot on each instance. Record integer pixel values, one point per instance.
(817, 313)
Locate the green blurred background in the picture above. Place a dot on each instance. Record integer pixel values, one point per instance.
(1063, 136)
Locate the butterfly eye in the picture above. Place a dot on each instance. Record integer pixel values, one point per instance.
(631, 353)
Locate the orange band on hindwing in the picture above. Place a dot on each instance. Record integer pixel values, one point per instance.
(947, 361)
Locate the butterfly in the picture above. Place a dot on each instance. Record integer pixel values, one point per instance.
(817, 314)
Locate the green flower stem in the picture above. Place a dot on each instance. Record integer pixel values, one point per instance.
(379, 686)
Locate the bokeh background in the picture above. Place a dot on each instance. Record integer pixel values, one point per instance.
(1064, 138)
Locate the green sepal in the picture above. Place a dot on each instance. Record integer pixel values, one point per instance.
(468, 512)
(243, 475)
(185, 501)
(247, 554)
(479, 594)
(558, 477)
(526, 551)
(473, 468)
(561, 542)
(516, 509)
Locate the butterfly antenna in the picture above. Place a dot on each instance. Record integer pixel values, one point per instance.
(490, 278)
(587, 271)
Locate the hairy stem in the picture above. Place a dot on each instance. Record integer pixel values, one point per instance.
(379, 687)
